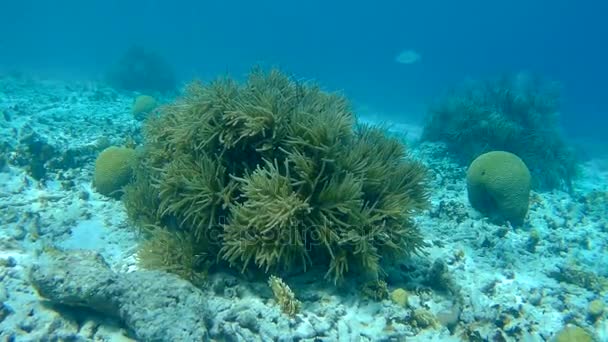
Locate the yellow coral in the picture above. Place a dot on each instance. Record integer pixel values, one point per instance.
(498, 185)
(113, 170)
(143, 105)
(284, 296)
(572, 334)
(596, 308)
(399, 297)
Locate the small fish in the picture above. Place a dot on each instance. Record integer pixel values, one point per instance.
(408, 57)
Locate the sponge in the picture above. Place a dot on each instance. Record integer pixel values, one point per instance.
(498, 185)
(113, 170)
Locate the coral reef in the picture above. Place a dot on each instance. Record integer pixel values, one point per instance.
(498, 185)
(514, 113)
(479, 281)
(276, 175)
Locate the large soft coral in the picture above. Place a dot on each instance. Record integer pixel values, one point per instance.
(516, 113)
(276, 175)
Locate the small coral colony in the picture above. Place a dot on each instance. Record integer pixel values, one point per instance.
(274, 176)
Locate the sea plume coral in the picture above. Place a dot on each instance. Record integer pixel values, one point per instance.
(517, 113)
(276, 175)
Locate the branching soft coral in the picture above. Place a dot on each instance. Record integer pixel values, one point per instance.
(515, 113)
(276, 175)
(196, 191)
(173, 252)
(267, 228)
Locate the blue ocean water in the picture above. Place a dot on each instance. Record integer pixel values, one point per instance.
(346, 45)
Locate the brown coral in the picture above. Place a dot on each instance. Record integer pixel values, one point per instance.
(276, 175)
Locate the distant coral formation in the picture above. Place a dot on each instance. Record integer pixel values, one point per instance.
(498, 185)
(515, 113)
(273, 175)
(140, 69)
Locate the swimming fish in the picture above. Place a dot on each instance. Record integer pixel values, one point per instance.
(408, 57)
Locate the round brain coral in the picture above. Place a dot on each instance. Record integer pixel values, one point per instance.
(113, 170)
(143, 105)
(498, 185)
(572, 334)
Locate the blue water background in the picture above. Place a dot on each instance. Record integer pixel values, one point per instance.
(346, 45)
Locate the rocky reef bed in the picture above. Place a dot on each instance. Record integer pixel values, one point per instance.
(68, 267)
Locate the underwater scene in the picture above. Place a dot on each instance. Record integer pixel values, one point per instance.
(303, 171)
